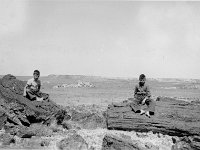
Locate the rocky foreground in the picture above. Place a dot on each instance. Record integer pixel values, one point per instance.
(28, 124)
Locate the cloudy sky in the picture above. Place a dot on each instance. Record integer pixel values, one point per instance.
(113, 39)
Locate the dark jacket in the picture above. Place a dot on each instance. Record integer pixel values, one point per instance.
(141, 92)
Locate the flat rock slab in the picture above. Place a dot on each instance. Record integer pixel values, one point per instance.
(172, 117)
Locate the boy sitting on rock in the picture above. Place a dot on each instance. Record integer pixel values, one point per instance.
(32, 88)
(142, 96)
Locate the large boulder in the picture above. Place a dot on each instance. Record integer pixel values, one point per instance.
(73, 142)
(34, 130)
(20, 111)
(88, 120)
(172, 117)
(112, 142)
(85, 117)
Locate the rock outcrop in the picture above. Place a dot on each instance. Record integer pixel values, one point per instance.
(115, 143)
(79, 84)
(172, 117)
(16, 110)
(88, 120)
(111, 142)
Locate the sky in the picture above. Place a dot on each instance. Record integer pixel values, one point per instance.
(100, 38)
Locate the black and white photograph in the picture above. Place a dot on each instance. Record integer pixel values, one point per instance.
(99, 75)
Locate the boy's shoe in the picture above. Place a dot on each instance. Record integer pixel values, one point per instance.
(142, 112)
(39, 99)
(147, 114)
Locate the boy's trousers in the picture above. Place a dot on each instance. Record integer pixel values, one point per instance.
(32, 95)
(149, 105)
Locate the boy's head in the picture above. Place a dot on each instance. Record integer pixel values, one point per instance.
(142, 79)
(36, 74)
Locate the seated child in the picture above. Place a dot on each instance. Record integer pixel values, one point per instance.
(142, 96)
(32, 88)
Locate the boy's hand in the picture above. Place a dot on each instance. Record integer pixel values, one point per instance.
(144, 100)
(24, 94)
(141, 92)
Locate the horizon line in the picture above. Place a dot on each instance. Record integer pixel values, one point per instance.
(109, 77)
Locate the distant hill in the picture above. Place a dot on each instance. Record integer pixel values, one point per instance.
(176, 80)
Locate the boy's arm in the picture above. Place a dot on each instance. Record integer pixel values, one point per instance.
(28, 84)
(148, 93)
(25, 88)
(24, 94)
(135, 91)
(39, 86)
